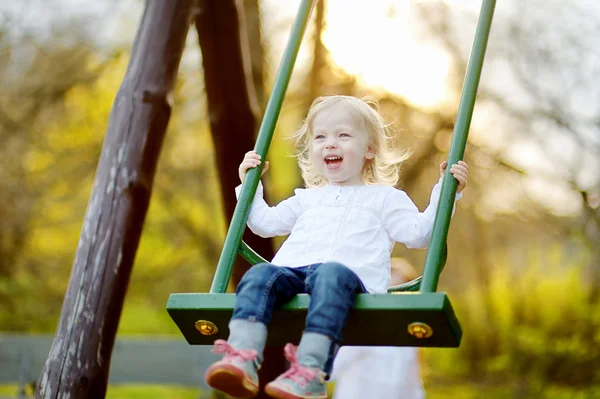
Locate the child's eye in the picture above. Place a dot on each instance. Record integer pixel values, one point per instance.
(319, 136)
(344, 135)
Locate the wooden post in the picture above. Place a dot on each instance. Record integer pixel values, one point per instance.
(234, 118)
(233, 110)
(79, 359)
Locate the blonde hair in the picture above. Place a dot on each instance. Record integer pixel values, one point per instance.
(383, 168)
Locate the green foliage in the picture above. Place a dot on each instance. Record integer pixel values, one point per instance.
(53, 138)
(142, 316)
(530, 330)
(477, 391)
(182, 233)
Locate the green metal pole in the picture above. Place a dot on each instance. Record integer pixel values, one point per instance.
(265, 135)
(439, 235)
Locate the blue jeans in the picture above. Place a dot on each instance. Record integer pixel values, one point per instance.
(332, 288)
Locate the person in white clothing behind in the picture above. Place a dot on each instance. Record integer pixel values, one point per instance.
(342, 228)
(380, 371)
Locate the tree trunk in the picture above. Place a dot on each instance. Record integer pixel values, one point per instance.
(233, 111)
(256, 49)
(319, 54)
(232, 107)
(79, 359)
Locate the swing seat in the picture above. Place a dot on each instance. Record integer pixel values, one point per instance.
(398, 319)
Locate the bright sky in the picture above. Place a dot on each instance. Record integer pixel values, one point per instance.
(378, 41)
(375, 40)
(381, 47)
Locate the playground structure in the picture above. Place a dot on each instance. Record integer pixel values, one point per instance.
(79, 359)
(424, 318)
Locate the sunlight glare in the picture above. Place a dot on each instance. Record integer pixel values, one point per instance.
(375, 41)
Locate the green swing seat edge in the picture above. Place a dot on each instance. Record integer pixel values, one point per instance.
(376, 320)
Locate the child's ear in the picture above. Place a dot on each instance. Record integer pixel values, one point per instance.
(370, 153)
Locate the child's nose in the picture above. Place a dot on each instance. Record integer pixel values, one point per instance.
(331, 144)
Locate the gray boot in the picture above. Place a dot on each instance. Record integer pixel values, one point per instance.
(306, 376)
(237, 373)
(315, 350)
(245, 334)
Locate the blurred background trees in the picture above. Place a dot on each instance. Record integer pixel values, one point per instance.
(524, 263)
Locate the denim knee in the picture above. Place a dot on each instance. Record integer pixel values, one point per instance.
(263, 288)
(258, 275)
(333, 273)
(332, 287)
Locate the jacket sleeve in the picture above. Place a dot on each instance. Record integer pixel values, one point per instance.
(405, 223)
(269, 221)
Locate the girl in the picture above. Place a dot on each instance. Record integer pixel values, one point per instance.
(341, 228)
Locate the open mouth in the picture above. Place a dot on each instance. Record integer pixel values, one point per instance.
(333, 162)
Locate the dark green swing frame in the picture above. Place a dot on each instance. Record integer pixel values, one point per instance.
(416, 316)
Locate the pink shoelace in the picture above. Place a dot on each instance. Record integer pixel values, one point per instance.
(221, 346)
(297, 373)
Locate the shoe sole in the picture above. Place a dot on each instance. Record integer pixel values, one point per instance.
(230, 380)
(278, 393)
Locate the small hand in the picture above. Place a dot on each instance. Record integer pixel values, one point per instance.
(251, 160)
(460, 171)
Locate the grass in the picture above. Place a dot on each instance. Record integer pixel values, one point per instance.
(129, 392)
(154, 392)
(451, 391)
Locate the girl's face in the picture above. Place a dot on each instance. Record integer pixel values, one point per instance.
(339, 146)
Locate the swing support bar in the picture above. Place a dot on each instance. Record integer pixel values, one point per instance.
(265, 135)
(433, 265)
